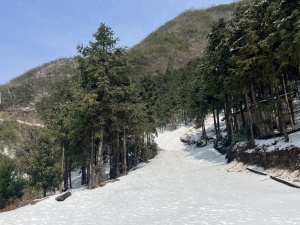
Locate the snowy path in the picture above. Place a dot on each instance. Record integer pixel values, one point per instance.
(182, 185)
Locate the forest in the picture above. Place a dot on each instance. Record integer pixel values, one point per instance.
(105, 117)
(249, 72)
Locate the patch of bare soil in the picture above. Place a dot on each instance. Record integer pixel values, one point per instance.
(29, 198)
(16, 204)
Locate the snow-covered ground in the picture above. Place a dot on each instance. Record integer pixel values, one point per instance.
(182, 185)
(30, 124)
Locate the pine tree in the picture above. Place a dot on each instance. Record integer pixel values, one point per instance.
(44, 168)
(111, 101)
(11, 185)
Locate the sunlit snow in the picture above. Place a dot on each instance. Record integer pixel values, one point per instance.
(182, 185)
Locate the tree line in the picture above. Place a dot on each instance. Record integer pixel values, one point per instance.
(251, 67)
(103, 118)
(98, 116)
(95, 121)
(249, 73)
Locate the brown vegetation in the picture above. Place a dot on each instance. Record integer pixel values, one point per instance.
(287, 158)
(108, 181)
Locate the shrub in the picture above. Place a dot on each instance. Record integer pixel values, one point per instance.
(11, 185)
(243, 134)
(151, 151)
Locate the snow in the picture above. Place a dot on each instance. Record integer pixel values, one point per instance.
(29, 124)
(7, 152)
(280, 144)
(182, 185)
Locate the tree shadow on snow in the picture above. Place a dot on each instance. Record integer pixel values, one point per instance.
(206, 154)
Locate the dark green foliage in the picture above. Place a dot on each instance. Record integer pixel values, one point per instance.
(249, 66)
(44, 169)
(115, 108)
(98, 111)
(11, 185)
(168, 96)
(152, 150)
(26, 145)
(114, 100)
(247, 61)
(243, 134)
(112, 105)
(58, 111)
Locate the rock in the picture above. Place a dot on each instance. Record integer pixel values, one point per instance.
(63, 196)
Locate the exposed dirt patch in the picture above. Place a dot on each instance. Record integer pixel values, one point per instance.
(16, 204)
(20, 203)
(287, 158)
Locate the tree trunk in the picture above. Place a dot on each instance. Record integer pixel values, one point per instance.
(215, 121)
(251, 141)
(113, 158)
(99, 167)
(44, 191)
(136, 152)
(185, 117)
(70, 173)
(118, 154)
(91, 171)
(256, 111)
(291, 101)
(63, 197)
(113, 167)
(124, 152)
(228, 117)
(288, 103)
(61, 186)
(66, 185)
(218, 123)
(281, 117)
(242, 115)
(83, 175)
(204, 131)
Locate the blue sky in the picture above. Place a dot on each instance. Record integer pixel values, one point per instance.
(33, 32)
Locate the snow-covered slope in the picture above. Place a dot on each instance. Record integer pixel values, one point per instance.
(182, 185)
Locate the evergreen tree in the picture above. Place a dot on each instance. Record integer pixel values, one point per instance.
(44, 168)
(215, 72)
(104, 72)
(11, 185)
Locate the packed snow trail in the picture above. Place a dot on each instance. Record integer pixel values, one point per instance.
(182, 185)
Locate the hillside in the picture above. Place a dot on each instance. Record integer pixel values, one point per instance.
(16, 137)
(23, 91)
(176, 42)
